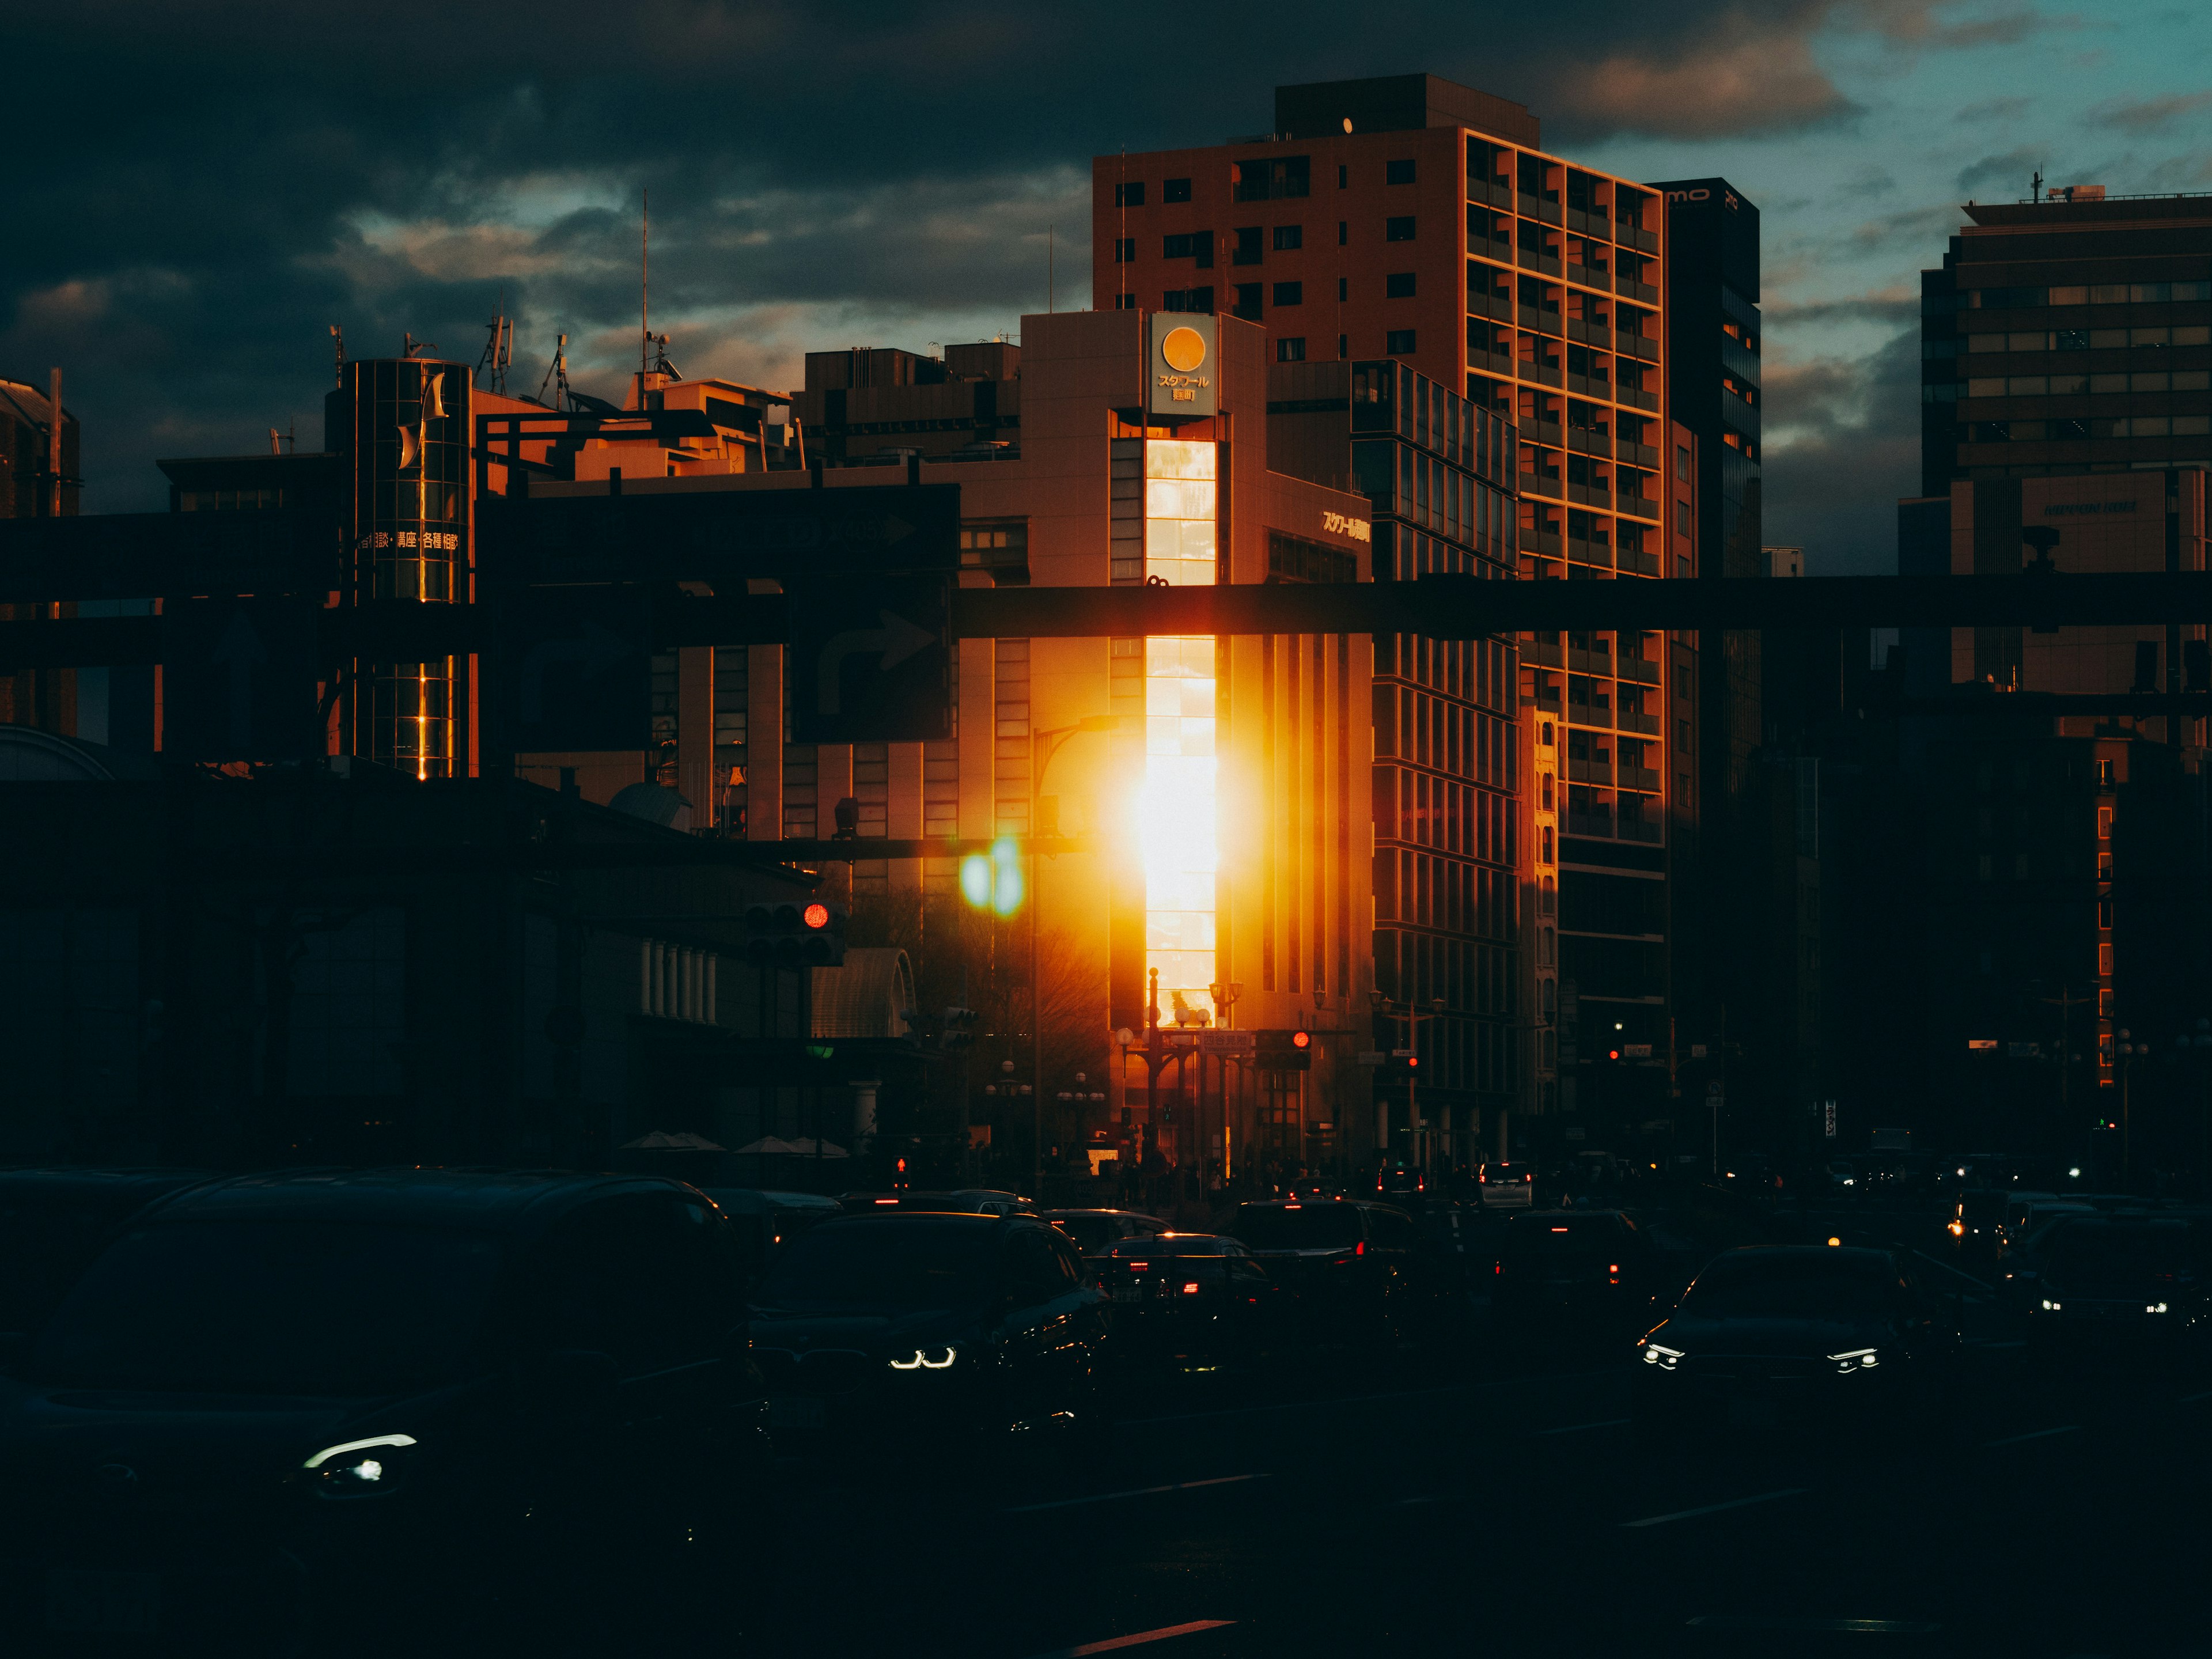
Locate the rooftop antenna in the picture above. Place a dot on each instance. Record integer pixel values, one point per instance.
(413, 347)
(2035, 186)
(499, 350)
(660, 363)
(337, 347)
(644, 292)
(557, 375)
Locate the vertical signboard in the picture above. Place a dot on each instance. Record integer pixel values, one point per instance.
(1181, 368)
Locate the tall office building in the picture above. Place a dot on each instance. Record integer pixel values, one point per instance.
(2072, 334)
(1413, 219)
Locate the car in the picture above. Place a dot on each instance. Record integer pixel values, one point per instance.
(2119, 1282)
(927, 1330)
(1506, 1186)
(1587, 1267)
(1194, 1302)
(1977, 1215)
(1094, 1229)
(1400, 1182)
(966, 1201)
(54, 1221)
(1357, 1266)
(339, 1401)
(1810, 1334)
(2019, 1271)
(762, 1221)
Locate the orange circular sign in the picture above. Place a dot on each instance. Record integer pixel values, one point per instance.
(1184, 350)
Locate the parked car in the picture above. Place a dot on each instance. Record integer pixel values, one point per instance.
(1357, 1266)
(331, 1403)
(1820, 1335)
(915, 1330)
(1194, 1302)
(1590, 1269)
(1093, 1230)
(54, 1222)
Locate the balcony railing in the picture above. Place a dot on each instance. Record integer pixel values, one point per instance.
(1631, 721)
(1639, 669)
(1589, 771)
(1639, 777)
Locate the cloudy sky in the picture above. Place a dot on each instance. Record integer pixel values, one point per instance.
(202, 187)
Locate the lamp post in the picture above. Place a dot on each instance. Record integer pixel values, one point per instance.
(1223, 994)
(1048, 744)
(1413, 1014)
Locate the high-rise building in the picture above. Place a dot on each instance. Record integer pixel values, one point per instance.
(2072, 334)
(1413, 219)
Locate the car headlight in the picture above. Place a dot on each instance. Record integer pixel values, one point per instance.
(1957, 1229)
(2154, 1307)
(359, 1468)
(1665, 1358)
(2049, 1306)
(928, 1359)
(1856, 1360)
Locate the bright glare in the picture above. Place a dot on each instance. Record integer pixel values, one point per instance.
(976, 879)
(369, 1469)
(329, 1452)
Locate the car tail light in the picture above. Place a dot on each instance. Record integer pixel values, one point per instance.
(887, 1200)
(1498, 1268)
(1613, 1274)
(1139, 1266)
(1190, 1288)
(1360, 1249)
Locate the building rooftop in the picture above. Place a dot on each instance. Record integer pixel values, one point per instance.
(2179, 208)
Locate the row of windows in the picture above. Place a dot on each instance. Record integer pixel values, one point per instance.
(2069, 386)
(1415, 807)
(1264, 178)
(1431, 730)
(1480, 978)
(2096, 294)
(2069, 339)
(1292, 347)
(2130, 426)
(1423, 889)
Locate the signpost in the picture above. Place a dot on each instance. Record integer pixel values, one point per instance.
(869, 662)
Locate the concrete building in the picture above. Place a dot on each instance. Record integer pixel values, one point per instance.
(39, 478)
(1411, 218)
(2071, 334)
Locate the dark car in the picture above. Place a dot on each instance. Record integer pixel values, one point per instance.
(311, 1401)
(2119, 1281)
(1357, 1266)
(968, 1201)
(1506, 1186)
(1194, 1302)
(904, 1327)
(54, 1222)
(1977, 1220)
(1587, 1267)
(1810, 1332)
(1093, 1230)
(763, 1221)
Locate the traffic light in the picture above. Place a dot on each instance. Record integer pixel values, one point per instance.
(791, 935)
(1282, 1051)
(959, 1031)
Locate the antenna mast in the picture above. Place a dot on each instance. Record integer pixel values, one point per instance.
(644, 293)
(557, 376)
(337, 347)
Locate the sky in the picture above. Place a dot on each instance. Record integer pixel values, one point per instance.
(202, 188)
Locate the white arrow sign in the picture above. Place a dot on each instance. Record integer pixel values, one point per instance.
(895, 642)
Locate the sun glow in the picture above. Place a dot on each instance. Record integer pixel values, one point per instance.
(1177, 819)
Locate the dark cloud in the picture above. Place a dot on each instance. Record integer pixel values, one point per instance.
(2148, 114)
(1892, 308)
(228, 180)
(2016, 164)
(1995, 109)
(1843, 444)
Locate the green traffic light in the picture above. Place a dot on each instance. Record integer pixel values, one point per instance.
(993, 881)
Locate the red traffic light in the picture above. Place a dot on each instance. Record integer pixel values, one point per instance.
(815, 916)
(1612, 1054)
(1411, 1060)
(1301, 1039)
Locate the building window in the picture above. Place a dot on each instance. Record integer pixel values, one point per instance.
(1291, 351)
(1343, 290)
(1129, 195)
(1343, 231)
(1398, 173)
(2105, 962)
(1125, 302)
(1290, 294)
(1174, 190)
(1247, 304)
(1273, 181)
(1195, 244)
(1398, 285)
(1187, 299)
(1289, 238)
(2104, 824)
(1682, 462)
(1125, 250)
(1399, 229)
(2104, 1004)
(1682, 517)
(1246, 251)
(1343, 346)
(1399, 342)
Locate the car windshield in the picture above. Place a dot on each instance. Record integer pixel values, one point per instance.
(1090, 1232)
(2105, 1250)
(1297, 1226)
(892, 1265)
(1788, 1286)
(319, 1308)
